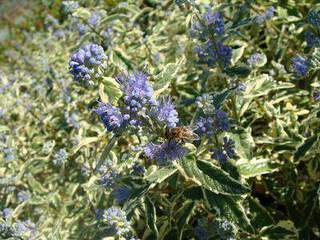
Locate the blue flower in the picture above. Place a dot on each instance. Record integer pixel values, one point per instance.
(205, 102)
(99, 213)
(253, 59)
(212, 53)
(137, 97)
(221, 121)
(204, 126)
(219, 155)
(165, 112)
(94, 19)
(314, 18)
(121, 193)
(107, 180)
(111, 116)
(138, 169)
(167, 151)
(81, 28)
(270, 12)
(214, 21)
(85, 62)
(226, 152)
(6, 213)
(240, 86)
(116, 219)
(23, 196)
(267, 15)
(60, 157)
(311, 39)
(300, 66)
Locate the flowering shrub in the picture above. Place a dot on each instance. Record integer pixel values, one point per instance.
(160, 120)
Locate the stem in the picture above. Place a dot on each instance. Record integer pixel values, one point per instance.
(106, 150)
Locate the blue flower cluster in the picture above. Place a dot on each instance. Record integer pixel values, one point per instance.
(18, 229)
(205, 103)
(85, 63)
(166, 113)
(117, 221)
(209, 30)
(168, 151)
(300, 66)
(109, 175)
(60, 157)
(121, 193)
(137, 96)
(138, 169)
(253, 59)
(267, 15)
(137, 105)
(314, 18)
(226, 152)
(312, 39)
(111, 116)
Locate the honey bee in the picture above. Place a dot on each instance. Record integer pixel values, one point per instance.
(181, 134)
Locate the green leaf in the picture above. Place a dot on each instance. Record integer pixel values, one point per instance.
(120, 59)
(283, 230)
(230, 208)
(161, 174)
(263, 85)
(220, 97)
(211, 177)
(304, 147)
(260, 216)
(237, 54)
(136, 195)
(256, 167)
(82, 13)
(84, 142)
(110, 90)
(164, 78)
(240, 71)
(183, 216)
(151, 216)
(193, 193)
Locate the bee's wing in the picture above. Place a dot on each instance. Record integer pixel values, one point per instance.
(193, 135)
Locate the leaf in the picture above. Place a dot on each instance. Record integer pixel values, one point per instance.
(261, 61)
(135, 199)
(84, 142)
(112, 89)
(283, 230)
(256, 167)
(240, 71)
(263, 85)
(183, 216)
(164, 78)
(193, 193)
(220, 97)
(160, 175)
(209, 176)
(260, 216)
(230, 208)
(151, 216)
(304, 147)
(120, 59)
(237, 54)
(82, 13)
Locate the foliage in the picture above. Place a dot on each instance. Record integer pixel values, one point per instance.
(160, 120)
